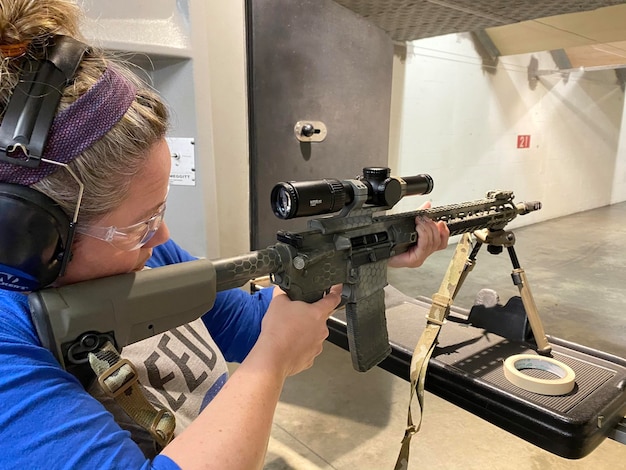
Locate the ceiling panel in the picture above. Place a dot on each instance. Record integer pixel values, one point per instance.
(590, 33)
(406, 20)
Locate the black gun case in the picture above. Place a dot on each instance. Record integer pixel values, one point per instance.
(466, 369)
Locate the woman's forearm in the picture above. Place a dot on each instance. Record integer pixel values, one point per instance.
(232, 432)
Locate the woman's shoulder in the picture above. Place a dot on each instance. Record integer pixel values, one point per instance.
(168, 253)
(15, 318)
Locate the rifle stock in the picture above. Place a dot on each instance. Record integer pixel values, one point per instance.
(75, 319)
(352, 250)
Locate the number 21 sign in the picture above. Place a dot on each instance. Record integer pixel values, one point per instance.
(523, 141)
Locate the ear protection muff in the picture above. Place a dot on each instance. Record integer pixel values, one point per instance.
(35, 233)
(35, 237)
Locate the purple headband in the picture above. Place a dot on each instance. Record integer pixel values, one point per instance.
(78, 126)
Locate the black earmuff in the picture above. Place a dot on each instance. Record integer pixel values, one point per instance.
(35, 233)
(35, 236)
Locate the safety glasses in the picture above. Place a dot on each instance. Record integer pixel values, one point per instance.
(126, 238)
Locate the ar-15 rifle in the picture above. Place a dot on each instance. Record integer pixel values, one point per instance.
(351, 248)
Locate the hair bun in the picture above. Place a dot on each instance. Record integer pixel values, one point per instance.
(23, 22)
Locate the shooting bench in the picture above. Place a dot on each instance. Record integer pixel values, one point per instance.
(466, 370)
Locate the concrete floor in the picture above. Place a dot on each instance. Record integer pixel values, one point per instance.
(331, 417)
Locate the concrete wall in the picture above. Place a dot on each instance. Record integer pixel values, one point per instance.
(460, 121)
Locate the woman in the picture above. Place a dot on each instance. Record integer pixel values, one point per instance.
(109, 130)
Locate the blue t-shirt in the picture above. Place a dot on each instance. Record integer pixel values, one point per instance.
(49, 421)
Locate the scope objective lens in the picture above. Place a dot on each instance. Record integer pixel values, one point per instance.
(284, 203)
(308, 198)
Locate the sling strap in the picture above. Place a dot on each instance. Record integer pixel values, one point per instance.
(119, 380)
(458, 269)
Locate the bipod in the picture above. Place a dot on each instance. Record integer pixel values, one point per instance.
(496, 240)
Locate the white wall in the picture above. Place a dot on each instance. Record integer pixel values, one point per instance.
(229, 109)
(619, 179)
(460, 122)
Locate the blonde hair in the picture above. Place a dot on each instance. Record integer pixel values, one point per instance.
(107, 167)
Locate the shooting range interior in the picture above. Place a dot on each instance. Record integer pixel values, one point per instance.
(482, 95)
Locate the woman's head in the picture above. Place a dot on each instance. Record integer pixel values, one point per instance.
(113, 164)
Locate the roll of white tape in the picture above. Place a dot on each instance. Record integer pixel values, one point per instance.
(515, 364)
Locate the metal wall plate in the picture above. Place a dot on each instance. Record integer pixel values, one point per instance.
(310, 131)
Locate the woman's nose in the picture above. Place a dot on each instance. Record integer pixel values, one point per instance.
(161, 236)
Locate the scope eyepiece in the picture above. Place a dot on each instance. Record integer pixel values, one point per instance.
(310, 198)
(384, 190)
(419, 184)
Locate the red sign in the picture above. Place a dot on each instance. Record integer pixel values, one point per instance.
(523, 141)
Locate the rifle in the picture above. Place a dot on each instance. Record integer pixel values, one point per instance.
(350, 248)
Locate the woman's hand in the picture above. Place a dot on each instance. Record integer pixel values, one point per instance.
(233, 430)
(293, 332)
(431, 237)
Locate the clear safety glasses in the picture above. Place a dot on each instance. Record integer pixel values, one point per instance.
(126, 238)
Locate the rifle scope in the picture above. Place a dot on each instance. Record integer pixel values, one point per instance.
(308, 198)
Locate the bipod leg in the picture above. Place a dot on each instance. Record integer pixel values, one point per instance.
(519, 279)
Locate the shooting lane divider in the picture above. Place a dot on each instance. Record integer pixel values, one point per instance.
(514, 365)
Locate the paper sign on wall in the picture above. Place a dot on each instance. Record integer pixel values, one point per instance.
(183, 171)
